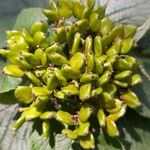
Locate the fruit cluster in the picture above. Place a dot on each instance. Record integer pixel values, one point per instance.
(84, 72)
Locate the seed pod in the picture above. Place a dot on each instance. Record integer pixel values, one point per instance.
(13, 70)
(12, 33)
(120, 83)
(31, 58)
(122, 75)
(90, 3)
(110, 88)
(57, 59)
(82, 25)
(55, 48)
(64, 117)
(112, 59)
(24, 94)
(119, 114)
(39, 37)
(40, 102)
(129, 31)
(87, 142)
(109, 101)
(131, 99)
(100, 11)
(107, 40)
(45, 129)
(60, 95)
(121, 65)
(64, 9)
(52, 4)
(83, 129)
(60, 76)
(96, 92)
(52, 15)
(85, 91)
(38, 26)
(90, 62)
(99, 67)
(117, 32)
(77, 61)
(86, 13)
(40, 91)
(69, 73)
(19, 123)
(127, 44)
(101, 117)
(108, 66)
(39, 53)
(98, 49)
(70, 32)
(106, 26)
(115, 48)
(70, 90)
(69, 133)
(31, 76)
(32, 113)
(17, 43)
(85, 112)
(27, 36)
(111, 128)
(47, 115)
(23, 64)
(76, 43)
(60, 35)
(88, 77)
(52, 81)
(132, 61)
(77, 9)
(40, 73)
(105, 78)
(94, 22)
(88, 45)
(117, 108)
(135, 79)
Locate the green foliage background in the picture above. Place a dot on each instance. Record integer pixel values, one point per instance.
(134, 127)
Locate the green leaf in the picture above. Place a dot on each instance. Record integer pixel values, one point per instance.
(8, 98)
(9, 139)
(142, 30)
(5, 24)
(142, 89)
(106, 143)
(27, 17)
(8, 83)
(135, 131)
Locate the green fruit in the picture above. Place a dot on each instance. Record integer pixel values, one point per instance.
(131, 99)
(87, 142)
(45, 128)
(111, 128)
(64, 117)
(83, 129)
(101, 117)
(24, 94)
(85, 112)
(69, 133)
(13, 70)
(85, 91)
